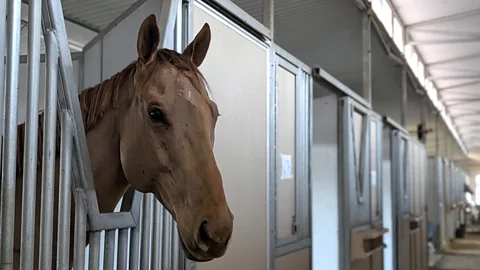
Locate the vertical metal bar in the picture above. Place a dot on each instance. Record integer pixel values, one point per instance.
(187, 22)
(178, 37)
(175, 246)
(367, 57)
(9, 153)
(146, 231)
(109, 250)
(3, 37)
(437, 151)
(157, 235)
(64, 198)
(94, 251)
(268, 15)
(166, 22)
(80, 228)
(134, 248)
(166, 240)
(122, 249)
(31, 137)
(404, 101)
(49, 145)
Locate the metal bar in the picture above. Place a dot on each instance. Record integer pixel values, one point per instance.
(3, 37)
(134, 247)
(31, 138)
(94, 251)
(443, 41)
(9, 154)
(454, 77)
(460, 15)
(109, 254)
(64, 198)
(146, 231)
(187, 22)
(76, 56)
(48, 158)
(453, 60)
(450, 88)
(404, 101)
(367, 57)
(157, 235)
(175, 246)
(68, 99)
(268, 15)
(166, 240)
(166, 22)
(80, 229)
(122, 249)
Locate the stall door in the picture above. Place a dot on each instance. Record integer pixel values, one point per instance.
(401, 167)
(363, 238)
(418, 177)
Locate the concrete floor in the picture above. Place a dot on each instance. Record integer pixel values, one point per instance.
(465, 255)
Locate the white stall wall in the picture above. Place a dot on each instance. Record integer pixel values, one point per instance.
(118, 48)
(236, 70)
(298, 260)
(22, 89)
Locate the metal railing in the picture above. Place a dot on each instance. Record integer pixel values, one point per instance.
(147, 236)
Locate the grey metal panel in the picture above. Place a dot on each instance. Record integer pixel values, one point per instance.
(326, 185)
(322, 47)
(124, 39)
(386, 81)
(244, 163)
(401, 151)
(92, 66)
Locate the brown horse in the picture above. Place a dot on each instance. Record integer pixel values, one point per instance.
(151, 126)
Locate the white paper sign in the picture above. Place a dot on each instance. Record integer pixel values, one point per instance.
(286, 167)
(373, 175)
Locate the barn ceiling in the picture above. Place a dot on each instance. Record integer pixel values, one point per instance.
(447, 37)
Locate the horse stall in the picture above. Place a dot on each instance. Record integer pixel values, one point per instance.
(347, 229)
(445, 200)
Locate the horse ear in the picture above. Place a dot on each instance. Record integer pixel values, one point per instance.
(148, 39)
(198, 48)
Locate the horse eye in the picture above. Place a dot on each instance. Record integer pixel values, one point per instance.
(157, 116)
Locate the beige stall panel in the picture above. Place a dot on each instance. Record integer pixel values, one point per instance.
(298, 260)
(236, 70)
(285, 152)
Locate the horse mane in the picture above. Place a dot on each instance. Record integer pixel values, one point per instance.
(95, 101)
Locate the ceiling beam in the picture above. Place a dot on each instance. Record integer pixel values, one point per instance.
(465, 103)
(446, 18)
(453, 77)
(443, 41)
(455, 33)
(453, 60)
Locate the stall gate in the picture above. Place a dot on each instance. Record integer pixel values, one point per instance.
(142, 234)
(362, 215)
(409, 169)
(435, 201)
